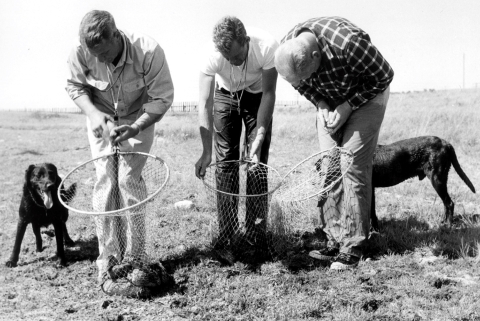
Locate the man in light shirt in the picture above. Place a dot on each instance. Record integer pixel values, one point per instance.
(237, 84)
(117, 73)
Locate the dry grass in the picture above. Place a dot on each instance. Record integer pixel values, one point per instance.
(423, 271)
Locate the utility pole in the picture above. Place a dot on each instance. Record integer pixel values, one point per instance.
(463, 70)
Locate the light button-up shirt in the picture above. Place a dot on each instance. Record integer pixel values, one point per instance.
(144, 83)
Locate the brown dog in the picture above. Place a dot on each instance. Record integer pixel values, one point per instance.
(41, 207)
(425, 156)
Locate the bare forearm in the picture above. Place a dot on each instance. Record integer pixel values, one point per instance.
(205, 119)
(265, 112)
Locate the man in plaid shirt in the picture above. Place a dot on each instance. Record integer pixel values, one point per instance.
(334, 65)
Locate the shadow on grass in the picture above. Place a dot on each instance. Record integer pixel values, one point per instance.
(405, 235)
(84, 249)
(293, 255)
(396, 236)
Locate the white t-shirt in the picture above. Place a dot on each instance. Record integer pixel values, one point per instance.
(261, 54)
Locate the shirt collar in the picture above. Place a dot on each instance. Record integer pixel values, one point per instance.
(126, 54)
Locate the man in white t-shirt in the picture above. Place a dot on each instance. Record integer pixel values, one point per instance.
(238, 80)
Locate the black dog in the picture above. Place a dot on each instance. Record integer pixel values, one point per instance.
(41, 207)
(425, 156)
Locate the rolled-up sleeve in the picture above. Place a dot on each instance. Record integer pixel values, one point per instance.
(76, 79)
(158, 81)
(369, 65)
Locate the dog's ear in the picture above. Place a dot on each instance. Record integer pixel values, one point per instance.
(28, 172)
(53, 168)
(58, 179)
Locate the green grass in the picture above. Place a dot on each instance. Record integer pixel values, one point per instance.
(420, 271)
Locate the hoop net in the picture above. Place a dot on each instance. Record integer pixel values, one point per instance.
(295, 219)
(239, 193)
(119, 191)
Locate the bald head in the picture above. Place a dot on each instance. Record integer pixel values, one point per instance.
(296, 59)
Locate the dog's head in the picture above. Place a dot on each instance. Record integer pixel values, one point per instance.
(42, 181)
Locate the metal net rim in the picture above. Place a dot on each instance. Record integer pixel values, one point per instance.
(115, 212)
(271, 191)
(325, 189)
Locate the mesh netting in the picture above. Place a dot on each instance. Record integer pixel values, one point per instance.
(241, 192)
(295, 213)
(118, 191)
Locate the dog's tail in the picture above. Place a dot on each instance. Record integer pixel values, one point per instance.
(69, 193)
(456, 165)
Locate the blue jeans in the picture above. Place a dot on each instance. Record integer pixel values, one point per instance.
(346, 211)
(228, 121)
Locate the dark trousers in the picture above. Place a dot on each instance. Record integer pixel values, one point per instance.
(228, 121)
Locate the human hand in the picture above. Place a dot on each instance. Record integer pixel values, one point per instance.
(120, 133)
(338, 117)
(256, 150)
(99, 124)
(202, 164)
(324, 114)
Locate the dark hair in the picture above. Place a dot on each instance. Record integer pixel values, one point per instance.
(226, 31)
(97, 25)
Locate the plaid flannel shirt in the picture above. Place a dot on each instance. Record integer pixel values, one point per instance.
(351, 68)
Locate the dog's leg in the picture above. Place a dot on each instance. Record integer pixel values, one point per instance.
(38, 236)
(440, 185)
(58, 226)
(21, 228)
(373, 212)
(66, 236)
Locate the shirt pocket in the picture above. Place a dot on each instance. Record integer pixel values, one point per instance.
(133, 90)
(99, 87)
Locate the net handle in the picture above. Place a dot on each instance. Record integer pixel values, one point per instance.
(123, 209)
(242, 195)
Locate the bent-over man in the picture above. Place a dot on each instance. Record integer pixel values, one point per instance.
(237, 84)
(334, 64)
(117, 73)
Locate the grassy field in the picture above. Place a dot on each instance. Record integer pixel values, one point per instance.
(420, 269)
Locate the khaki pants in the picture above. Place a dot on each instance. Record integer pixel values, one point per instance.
(120, 236)
(346, 212)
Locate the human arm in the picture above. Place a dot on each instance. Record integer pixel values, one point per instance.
(124, 132)
(159, 87)
(367, 64)
(205, 119)
(80, 92)
(98, 120)
(323, 108)
(374, 72)
(265, 111)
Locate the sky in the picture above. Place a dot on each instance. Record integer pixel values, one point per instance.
(430, 44)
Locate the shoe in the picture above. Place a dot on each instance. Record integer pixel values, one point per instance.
(326, 254)
(345, 261)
